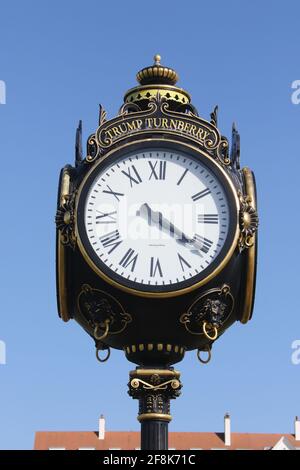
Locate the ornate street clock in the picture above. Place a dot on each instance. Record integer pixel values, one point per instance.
(156, 234)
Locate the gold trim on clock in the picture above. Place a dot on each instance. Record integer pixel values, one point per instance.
(64, 191)
(62, 281)
(250, 253)
(183, 290)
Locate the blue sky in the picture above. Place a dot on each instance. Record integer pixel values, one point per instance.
(59, 60)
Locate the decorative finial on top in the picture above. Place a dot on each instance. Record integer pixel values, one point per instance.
(157, 59)
(157, 79)
(157, 73)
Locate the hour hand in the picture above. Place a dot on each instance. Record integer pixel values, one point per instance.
(164, 224)
(145, 212)
(156, 218)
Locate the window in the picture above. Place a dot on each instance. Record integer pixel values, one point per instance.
(86, 448)
(57, 448)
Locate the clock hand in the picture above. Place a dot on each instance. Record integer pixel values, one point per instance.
(191, 243)
(164, 224)
(158, 219)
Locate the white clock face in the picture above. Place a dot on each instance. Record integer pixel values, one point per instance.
(155, 219)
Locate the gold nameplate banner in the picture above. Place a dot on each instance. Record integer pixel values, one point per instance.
(156, 119)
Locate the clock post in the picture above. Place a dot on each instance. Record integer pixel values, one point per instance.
(154, 389)
(156, 239)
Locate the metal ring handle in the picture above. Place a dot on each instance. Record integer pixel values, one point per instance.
(99, 338)
(204, 361)
(105, 358)
(212, 338)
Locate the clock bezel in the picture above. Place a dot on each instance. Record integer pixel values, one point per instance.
(124, 284)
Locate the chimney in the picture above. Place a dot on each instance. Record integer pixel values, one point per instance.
(101, 427)
(297, 429)
(227, 433)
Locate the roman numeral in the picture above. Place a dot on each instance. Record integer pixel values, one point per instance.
(129, 258)
(111, 239)
(114, 193)
(208, 218)
(137, 179)
(205, 244)
(154, 267)
(183, 262)
(106, 215)
(182, 176)
(201, 194)
(160, 173)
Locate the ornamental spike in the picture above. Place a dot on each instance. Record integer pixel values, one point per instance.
(78, 144)
(214, 116)
(235, 147)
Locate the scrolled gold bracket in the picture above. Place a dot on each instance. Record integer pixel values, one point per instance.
(249, 241)
(206, 327)
(174, 383)
(248, 214)
(135, 383)
(102, 359)
(208, 350)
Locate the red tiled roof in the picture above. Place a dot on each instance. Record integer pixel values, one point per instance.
(179, 440)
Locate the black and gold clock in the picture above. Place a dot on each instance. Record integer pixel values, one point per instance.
(157, 218)
(156, 228)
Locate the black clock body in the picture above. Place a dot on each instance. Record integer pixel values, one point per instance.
(156, 325)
